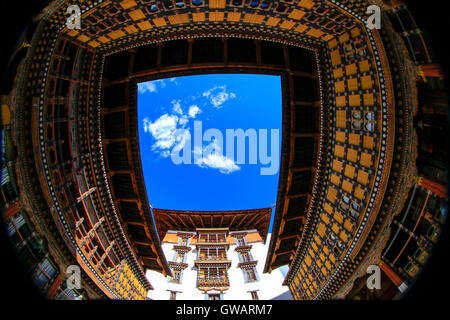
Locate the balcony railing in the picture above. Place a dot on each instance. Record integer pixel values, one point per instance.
(214, 241)
(246, 263)
(212, 258)
(214, 281)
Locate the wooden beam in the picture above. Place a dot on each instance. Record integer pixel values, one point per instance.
(192, 221)
(112, 140)
(182, 221)
(201, 220)
(172, 219)
(141, 224)
(291, 251)
(128, 200)
(111, 173)
(243, 218)
(302, 217)
(298, 195)
(105, 111)
(303, 169)
(255, 216)
(305, 135)
(289, 237)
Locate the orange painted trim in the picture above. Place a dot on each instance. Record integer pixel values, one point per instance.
(9, 212)
(431, 70)
(391, 274)
(433, 186)
(54, 287)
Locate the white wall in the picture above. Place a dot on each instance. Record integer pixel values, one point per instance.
(268, 285)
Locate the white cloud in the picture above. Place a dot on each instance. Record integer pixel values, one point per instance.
(171, 135)
(147, 86)
(165, 153)
(193, 111)
(218, 96)
(151, 86)
(215, 159)
(167, 134)
(176, 106)
(218, 161)
(146, 123)
(183, 121)
(163, 130)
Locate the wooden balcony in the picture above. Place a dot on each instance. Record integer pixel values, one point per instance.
(212, 260)
(213, 282)
(212, 243)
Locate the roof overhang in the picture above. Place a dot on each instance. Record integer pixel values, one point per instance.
(232, 220)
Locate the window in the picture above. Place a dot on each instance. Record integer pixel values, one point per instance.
(357, 124)
(245, 257)
(254, 295)
(44, 273)
(183, 241)
(212, 254)
(334, 244)
(354, 214)
(240, 241)
(179, 257)
(212, 276)
(357, 120)
(212, 237)
(214, 273)
(18, 229)
(356, 115)
(318, 275)
(370, 116)
(370, 126)
(168, 5)
(265, 4)
(176, 276)
(344, 207)
(331, 241)
(250, 274)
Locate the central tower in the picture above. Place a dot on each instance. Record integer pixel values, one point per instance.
(212, 263)
(215, 255)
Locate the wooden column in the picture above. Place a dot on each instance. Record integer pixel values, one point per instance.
(10, 211)
(396, 280)
(54, 287)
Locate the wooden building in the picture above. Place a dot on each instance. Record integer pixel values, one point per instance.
(213, 254)
(362, 175)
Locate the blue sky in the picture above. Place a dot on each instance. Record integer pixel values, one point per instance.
(167, 112)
